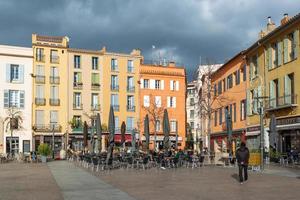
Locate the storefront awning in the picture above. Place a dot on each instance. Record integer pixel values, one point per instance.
(252, 133)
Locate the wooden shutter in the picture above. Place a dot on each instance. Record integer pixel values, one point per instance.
(248, 103)
(21, 73)
(177, 85)
(8, 73)
(296, 43)
(174, 102)
(270, 57)
(168, 102)
(6, 98)
(171, 85)
(152, 84)
(22, 99)
(162, 82)
(142, 83)
(285, 50)
(279, 46)
(287, 90)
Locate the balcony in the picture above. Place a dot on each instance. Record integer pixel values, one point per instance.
(114, 88)
(286, 101)
(130, 108)
(47, 128)
(54, 79)
(54, 102)
(130, 89)
(95, 86)
(77, 86)
(77, 106)
(40, 101)
(130, 69)
(40, 58)
(54, 59)
(39, 79)
(116, 107)
(95, 107)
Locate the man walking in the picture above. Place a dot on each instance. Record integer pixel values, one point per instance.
(242, 156)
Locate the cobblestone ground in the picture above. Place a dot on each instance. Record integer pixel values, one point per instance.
(27, 182)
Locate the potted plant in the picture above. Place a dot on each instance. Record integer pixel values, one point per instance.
(44, 150)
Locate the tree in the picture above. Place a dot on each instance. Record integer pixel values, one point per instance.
(12, 122)
(155, 111)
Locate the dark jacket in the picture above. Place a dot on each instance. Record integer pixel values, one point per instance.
(242, 156)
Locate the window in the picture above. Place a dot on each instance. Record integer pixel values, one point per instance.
(77, 62)
(114, 100)
(171, 102)
(220, 116)
(173, 124)
(130, 123)
(254, 67)
(224, 85)
(40, 55)
(243, 110)
(146, 101)
(289, 96)
(216, 118)
(219, 87)
(130, 66)
(77, 100)
(53, 118)
(54, 75)
(54, 92)
(273, 93)
(95, 103)
(14, 142)
(237, 77)
(54, 58)
(114, 64)
(192, 102)
(234, 112)
(39, 117)
(117, 128)
(290, 46)
(130, 84)
(192, 113)
(130, 103)
(146, 83)
(174, 85)
(14, 73)
(77, 120)
(157, 101)
(157, 125)
(40, 91)
(77, 77)
(95, 63)
(26, 146)
(229, 82)
(114, 82)
(95, 79)
(192, 125)
(157, 84)
(14, 98)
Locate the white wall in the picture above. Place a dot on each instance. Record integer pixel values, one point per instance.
(21, 56)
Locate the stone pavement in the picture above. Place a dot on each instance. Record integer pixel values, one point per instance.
(75, 183)
(27, 182)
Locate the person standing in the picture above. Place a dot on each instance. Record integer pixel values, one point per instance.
(242, 156)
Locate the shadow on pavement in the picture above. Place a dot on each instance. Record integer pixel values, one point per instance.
(235, 176)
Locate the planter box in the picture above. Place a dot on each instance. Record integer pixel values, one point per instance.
(254, 159)
(44, 159)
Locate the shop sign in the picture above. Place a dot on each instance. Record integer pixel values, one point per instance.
(290, 120)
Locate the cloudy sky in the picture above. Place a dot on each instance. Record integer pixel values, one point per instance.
(182, 30)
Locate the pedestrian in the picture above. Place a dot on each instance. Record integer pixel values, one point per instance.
(242, 156)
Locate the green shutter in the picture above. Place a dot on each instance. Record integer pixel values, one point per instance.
(287, 90)
(296, 43)
(285, 50)
(267, 58)
(272, 94)
(279, 46)
(270, 57)
(248, 103)
(257, 64)
(6, 98)
(254, 99)
(79, 77)
(22, 99)
(250, 69)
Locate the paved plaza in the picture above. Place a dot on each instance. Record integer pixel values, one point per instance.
(64, 180)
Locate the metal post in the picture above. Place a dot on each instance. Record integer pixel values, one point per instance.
(261, 136)
(176, 144)
(53, 141)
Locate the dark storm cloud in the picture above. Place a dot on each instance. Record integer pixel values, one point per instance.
(182, 30)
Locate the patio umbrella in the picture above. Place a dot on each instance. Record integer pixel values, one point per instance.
(123, 130)
(111, 130)
(85, 135)
(99, 132)
(273, 131)
(132, 141)
(147, 132)
(166, 131)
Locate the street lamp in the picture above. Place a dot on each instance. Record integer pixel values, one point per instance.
(53, 130)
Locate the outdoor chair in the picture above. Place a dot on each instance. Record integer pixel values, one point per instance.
(95, 163)
(145, 163)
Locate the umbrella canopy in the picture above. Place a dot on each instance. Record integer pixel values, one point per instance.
(166, 131)
(123, 130)
(147, 132)
(85, 134)
(99, 132)
(111, 129)
(132, 141)
(273, 131)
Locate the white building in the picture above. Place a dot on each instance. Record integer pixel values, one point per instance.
(193, 113)
(15, 96)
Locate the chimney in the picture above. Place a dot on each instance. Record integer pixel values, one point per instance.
(135, 52)
(172, 64)
(285, 19)
(270, 25)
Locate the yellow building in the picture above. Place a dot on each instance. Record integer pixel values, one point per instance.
(50, 95)
(274, 72)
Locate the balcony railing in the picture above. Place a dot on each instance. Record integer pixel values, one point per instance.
(130, 108)
(39, 79)
(77, 85)
(47, 128)
(54, 102)
(40, 101)
(285, 101)
(95, 86)
(95, 107)
(116, 107)
(54, 59)
(130, 69)
(40, 58)
(130, 89)
(114, 88)
(54, 79)
(77, 106)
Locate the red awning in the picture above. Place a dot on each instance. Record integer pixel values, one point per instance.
(127, 138)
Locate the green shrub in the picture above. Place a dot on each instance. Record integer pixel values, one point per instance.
(44, 149)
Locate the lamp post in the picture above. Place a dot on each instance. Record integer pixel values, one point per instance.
(53, 130)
